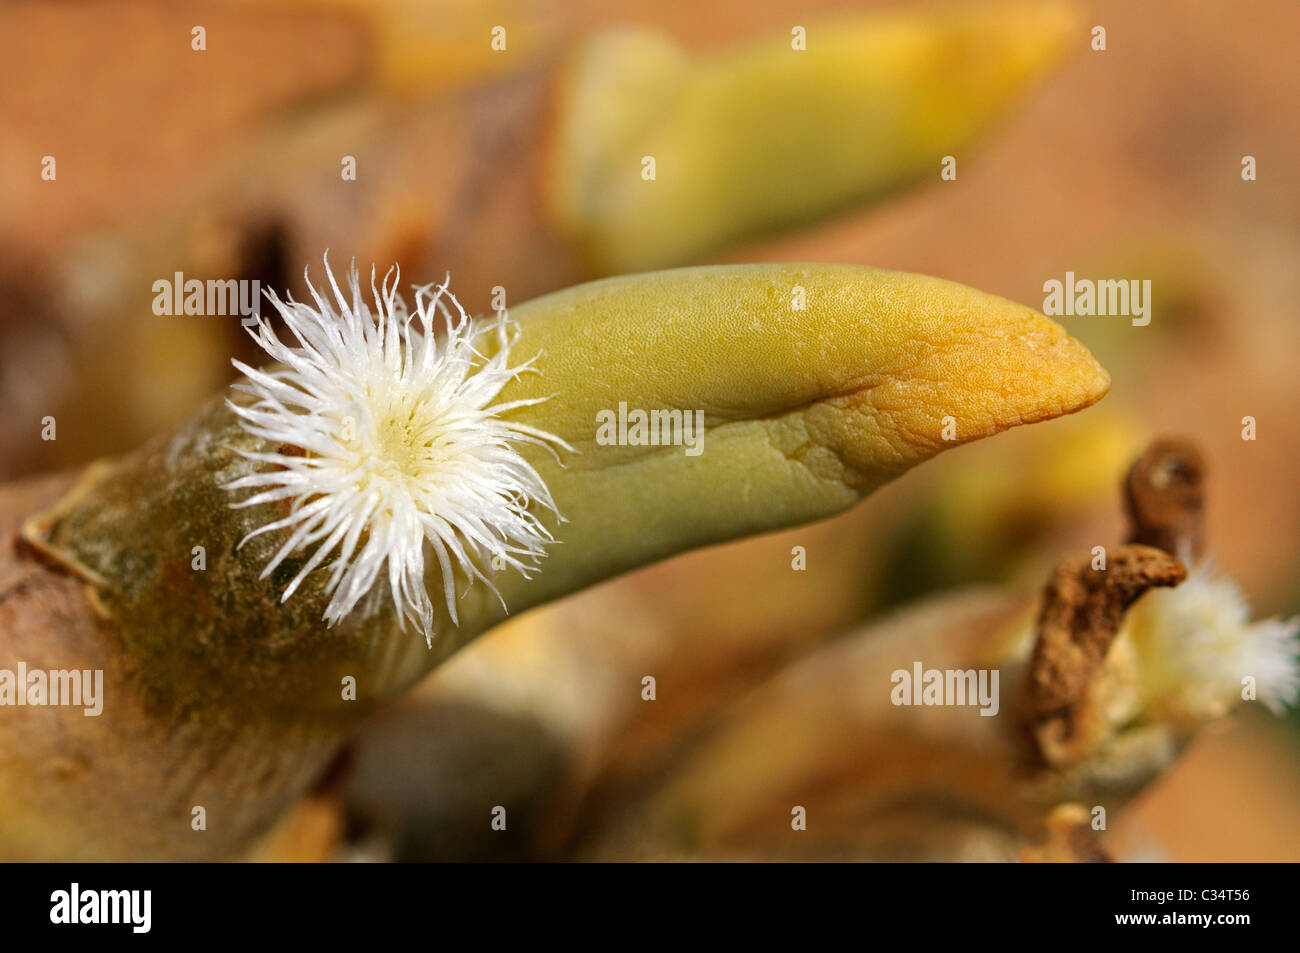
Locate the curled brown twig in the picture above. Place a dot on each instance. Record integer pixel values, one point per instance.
(1083, 608)
(1085, 600)
(1082, 611)
(1164, 495)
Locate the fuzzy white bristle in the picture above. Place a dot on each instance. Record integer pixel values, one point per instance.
(1196, 644)
(395, 446)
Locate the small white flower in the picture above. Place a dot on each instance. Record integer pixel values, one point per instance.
(1197, 643)
(386, 441)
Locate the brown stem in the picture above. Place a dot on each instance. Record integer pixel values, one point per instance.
(213, 696)
(1081, 615)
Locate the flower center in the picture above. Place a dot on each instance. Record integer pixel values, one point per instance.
(402, 454)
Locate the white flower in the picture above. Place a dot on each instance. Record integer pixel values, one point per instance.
(1197, 643)
(385, 439)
